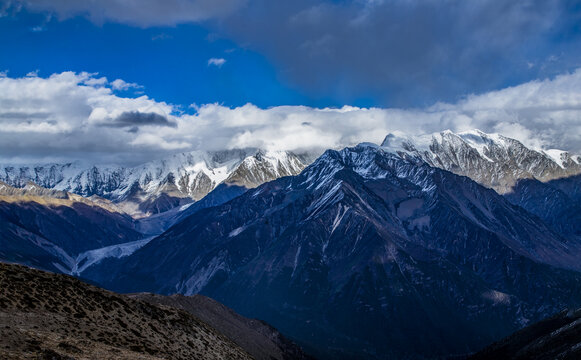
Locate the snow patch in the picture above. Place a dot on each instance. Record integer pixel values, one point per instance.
(236, 231)
(566, 327)
(497, 297)
(296, 261)
(557, 156)
(197, 282)
(91, 257)
(184, 207)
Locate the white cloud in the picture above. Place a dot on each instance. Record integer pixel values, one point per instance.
(32, 73)
(78, 116)
(92, 81)
(122, 85)
(216, 62)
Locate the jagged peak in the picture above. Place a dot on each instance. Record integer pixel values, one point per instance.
(491, 159)
(474, 138)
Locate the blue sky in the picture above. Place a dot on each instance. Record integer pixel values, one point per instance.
(262, 73)
(171, 63)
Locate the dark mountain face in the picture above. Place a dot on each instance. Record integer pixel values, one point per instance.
(557, 202)
(554, 338)
(157, 224)
(49, 233)
(365, 254)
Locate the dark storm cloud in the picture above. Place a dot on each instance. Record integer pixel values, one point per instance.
(408, 52)
(388, 52)
(143, 13)
(136, 118)
(20, 116)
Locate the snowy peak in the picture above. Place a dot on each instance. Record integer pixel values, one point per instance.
(492, 160)
(265, 166)
(159, 185)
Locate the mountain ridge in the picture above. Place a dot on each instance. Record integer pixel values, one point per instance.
(159, 185)
(492, 160)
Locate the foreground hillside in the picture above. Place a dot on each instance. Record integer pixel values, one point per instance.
(45, 315)
(259, 339)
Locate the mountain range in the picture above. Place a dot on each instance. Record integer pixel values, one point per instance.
(56, 230)
(160, 185)
(361, 254)
(492, 160)
(422, 247)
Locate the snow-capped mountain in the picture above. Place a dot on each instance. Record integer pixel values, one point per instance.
(362, 254)
(159, 185)
(492, 160)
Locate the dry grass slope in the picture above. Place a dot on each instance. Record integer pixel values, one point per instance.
(258, 338)
(50, 316)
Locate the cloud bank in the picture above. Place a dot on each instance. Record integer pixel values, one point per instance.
(80, 116)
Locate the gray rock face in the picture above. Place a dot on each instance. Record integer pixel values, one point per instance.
(492, 160)
(366, 254)
(258, 169)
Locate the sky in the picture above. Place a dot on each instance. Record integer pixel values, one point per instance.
(126, 81)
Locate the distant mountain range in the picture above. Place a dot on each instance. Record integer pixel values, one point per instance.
(160, 185)
(420, 247)
(492, 160)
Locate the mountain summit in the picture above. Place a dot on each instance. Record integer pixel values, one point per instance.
(492, 160)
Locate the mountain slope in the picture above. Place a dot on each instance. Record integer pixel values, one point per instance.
(557, 202)
(51, 229)
(53, 316)
(555, 338)
(260, 340)
(160, 185)
(492, 160)
(362, 254)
